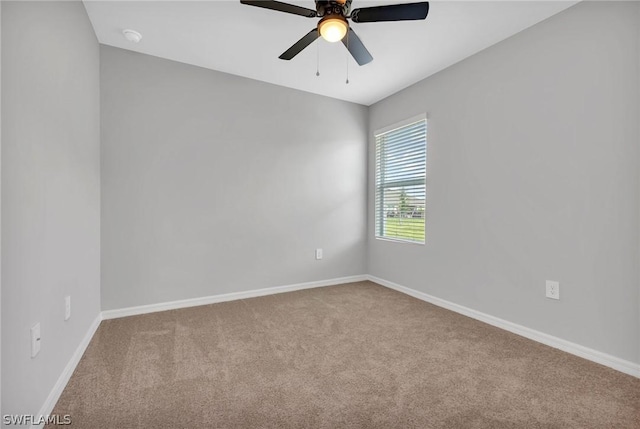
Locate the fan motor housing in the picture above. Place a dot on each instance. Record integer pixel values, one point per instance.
(333, 7)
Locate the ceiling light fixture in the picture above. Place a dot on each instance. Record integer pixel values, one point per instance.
(333, 28)
(132, 36)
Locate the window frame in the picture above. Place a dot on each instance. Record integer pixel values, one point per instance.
(379, 208)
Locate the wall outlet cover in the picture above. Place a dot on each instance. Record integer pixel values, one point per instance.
(553, 289)
(35, 340)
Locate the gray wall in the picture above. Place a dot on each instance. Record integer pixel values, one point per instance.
(638, 138)
(50, 192)
(213, 183)
(532, 175)
(0, 209)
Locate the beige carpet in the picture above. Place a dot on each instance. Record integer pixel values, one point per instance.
(350, 356)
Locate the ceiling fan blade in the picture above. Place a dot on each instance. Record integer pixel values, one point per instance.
(297, 47)
(356, 47)
(281, 7)
(393, 12)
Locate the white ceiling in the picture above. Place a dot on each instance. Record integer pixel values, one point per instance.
(246, 41)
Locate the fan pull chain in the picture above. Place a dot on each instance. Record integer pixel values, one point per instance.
(318, 58)
(348, 52)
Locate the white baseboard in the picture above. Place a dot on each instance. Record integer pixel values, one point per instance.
(173, 305)
(55, 393)
(605, 359)
(621, 365)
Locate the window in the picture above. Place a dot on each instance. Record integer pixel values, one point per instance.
(401, 164)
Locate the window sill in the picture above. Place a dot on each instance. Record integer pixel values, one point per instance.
(399, 240)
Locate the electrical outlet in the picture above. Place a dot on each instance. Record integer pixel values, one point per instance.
(67, 307)
(35, 340)
(553, 289)
(318, 254)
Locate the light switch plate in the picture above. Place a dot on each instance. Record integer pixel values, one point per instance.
(67, 307)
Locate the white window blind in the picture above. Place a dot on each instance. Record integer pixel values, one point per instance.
(401, 162)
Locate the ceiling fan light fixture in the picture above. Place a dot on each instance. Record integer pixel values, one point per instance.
(333, 28)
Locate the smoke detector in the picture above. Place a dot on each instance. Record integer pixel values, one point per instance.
(132, 36)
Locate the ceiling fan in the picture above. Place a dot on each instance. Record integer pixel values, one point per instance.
(333, 25)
